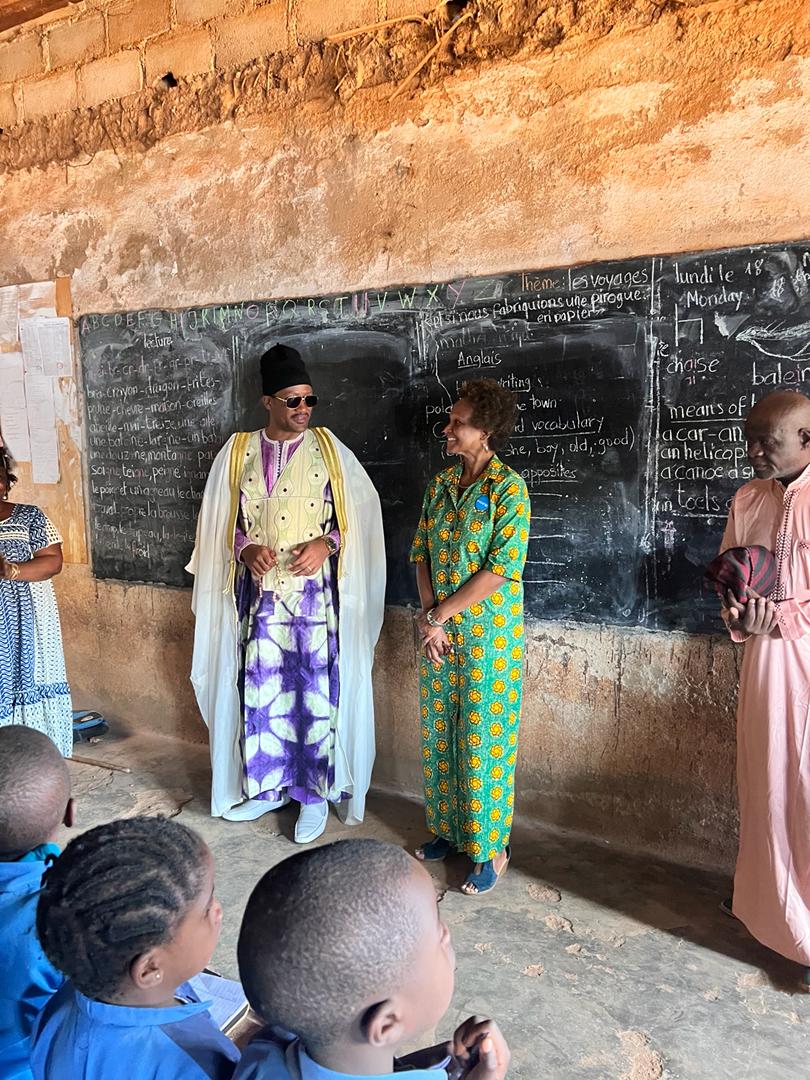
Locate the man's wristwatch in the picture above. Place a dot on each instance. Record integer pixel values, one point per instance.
(331, 546)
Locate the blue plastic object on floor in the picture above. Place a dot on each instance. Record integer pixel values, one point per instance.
(88, 725)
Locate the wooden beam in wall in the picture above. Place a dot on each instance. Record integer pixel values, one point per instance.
(16, 12)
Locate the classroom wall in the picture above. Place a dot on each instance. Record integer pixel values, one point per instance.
(539, 135)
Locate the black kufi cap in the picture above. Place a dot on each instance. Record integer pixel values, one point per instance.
(282, 366)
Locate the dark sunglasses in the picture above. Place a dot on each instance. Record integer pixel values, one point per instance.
(311, 400)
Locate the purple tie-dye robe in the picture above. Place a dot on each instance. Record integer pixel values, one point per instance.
(289, 681)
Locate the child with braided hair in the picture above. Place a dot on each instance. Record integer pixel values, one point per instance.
(128, 914)
(34, 802)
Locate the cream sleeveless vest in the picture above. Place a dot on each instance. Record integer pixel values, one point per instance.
(290, 514)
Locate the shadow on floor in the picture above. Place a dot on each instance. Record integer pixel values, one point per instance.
(597, 963)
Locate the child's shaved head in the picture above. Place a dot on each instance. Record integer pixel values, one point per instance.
(34, 789)
(325, 932)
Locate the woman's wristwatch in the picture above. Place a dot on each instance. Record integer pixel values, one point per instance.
(331, 546)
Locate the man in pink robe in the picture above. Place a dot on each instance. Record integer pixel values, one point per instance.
(772, 879)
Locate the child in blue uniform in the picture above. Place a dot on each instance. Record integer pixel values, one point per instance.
(34, 801)
(342, 952)
(128, 914)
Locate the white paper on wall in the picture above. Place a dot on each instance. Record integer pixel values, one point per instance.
(13, 413)
(37, 298)
(32, 353)
(55, 346)
(9, 314)
(42, 428)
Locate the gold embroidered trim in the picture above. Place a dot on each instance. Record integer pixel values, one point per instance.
(235, 465)
(332, 460)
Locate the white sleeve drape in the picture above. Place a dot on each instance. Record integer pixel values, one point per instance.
(361, 590)
(214, 664)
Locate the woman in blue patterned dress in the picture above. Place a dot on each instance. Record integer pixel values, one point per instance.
(33, 685)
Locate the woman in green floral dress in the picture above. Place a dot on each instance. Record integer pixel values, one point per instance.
(470, 550)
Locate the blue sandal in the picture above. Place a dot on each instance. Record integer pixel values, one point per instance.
(434, 850)
(485, 879)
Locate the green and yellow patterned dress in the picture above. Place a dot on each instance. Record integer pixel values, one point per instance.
(471, 703)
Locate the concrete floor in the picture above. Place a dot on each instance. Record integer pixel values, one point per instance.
(595, 963)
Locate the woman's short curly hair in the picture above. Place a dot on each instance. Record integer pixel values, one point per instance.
(7, 464)
(494, 409)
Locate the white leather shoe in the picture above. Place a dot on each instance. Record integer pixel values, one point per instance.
(251, 809)
(311, 821)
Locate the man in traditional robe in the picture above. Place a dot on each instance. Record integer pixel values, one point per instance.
(772, 879)
(289, 588)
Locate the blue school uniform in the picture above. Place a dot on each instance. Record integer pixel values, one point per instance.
(273, 1055)
(77, 1038)
(27, 979)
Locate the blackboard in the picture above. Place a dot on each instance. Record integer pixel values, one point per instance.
(633, 380)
